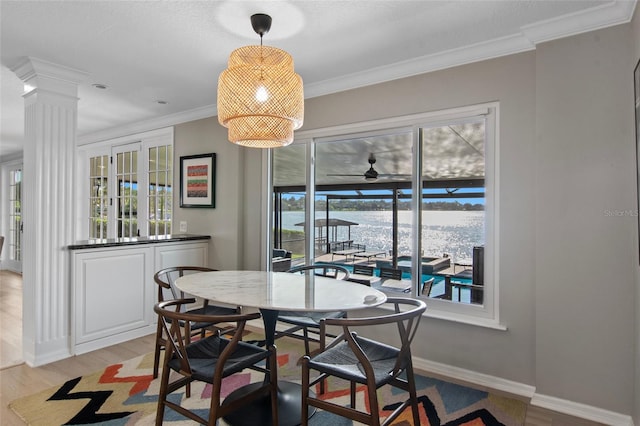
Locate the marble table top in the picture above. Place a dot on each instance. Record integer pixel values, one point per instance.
(280, 291)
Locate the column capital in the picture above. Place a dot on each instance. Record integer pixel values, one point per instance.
(40, 74)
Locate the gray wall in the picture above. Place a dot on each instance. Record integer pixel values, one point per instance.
(511, 80)
(223, 222)
(635, 28)
(234, 224)
(567, 155)
(586, 245)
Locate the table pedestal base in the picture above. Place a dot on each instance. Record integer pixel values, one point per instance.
(258, 412)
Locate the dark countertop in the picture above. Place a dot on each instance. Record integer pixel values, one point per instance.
(118, 242)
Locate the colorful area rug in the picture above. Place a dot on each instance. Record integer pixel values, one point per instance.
(126, 394)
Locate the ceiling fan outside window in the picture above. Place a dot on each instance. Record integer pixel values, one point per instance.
(371, 174)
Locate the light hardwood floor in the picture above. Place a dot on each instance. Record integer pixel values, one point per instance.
(21, 380)
(10, 318)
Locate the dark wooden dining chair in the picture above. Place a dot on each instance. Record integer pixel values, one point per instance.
(309, 322)
(364, 361)
(165, 279)
(209, 360)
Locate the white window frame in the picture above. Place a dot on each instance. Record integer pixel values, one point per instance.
(112, 228)
(485, 315)
(147, 140)
(97, 154)
(5, 178)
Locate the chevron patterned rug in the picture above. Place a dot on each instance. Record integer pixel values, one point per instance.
(126, 394)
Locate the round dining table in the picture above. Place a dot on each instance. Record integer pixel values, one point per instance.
(272, 292)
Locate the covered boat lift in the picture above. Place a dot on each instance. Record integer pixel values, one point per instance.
(330, 235)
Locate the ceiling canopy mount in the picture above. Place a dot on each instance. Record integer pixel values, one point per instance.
(261, 24)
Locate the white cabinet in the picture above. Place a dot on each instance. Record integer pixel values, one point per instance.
(180, 254)
(113, 291)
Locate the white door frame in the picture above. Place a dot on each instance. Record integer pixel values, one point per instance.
(5, 170)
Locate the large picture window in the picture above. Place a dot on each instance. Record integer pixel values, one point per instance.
(415, 197)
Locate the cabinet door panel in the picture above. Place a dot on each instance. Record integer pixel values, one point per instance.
(114, 294)
(193, 254)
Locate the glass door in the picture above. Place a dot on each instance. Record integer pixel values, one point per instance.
(98, 196)
(289, 207)
(160, 190)
(13, 242)
(125, 193)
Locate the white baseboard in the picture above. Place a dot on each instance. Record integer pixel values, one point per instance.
(563, 406)
(37, 361)
(10, 268)
(480, 379)
(82, 348)
(583, 411)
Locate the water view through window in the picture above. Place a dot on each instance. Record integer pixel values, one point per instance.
(411, 199)
(453, 233)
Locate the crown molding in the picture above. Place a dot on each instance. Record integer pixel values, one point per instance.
(150, 124)
(607, 15)
(614, 13)
(29, 68)
(610, 14)
(473, 53)
(13, 157)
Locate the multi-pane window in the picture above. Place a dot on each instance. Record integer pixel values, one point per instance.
(15, 214)
(160, 194)
(98, 196)
(130, 187)
(126, 196)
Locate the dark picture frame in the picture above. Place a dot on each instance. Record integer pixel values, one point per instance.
(198, 181)
(636, 103)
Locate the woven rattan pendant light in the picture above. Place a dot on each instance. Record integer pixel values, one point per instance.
(260, 97)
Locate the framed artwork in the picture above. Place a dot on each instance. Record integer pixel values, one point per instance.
(636, 102)
(198, 181)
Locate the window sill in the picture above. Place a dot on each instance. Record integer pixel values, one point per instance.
(445, 315)
(464, 319)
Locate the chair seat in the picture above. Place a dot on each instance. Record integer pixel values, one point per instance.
(340, 361)
(204, 354)
(310, 319)
(208, 310)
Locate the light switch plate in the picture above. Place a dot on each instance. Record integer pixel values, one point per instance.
(183, 226)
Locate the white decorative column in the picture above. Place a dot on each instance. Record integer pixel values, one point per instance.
(51, 99)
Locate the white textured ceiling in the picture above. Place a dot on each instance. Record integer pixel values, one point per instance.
(146, 51)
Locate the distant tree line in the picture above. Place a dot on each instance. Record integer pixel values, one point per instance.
(297, 204)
